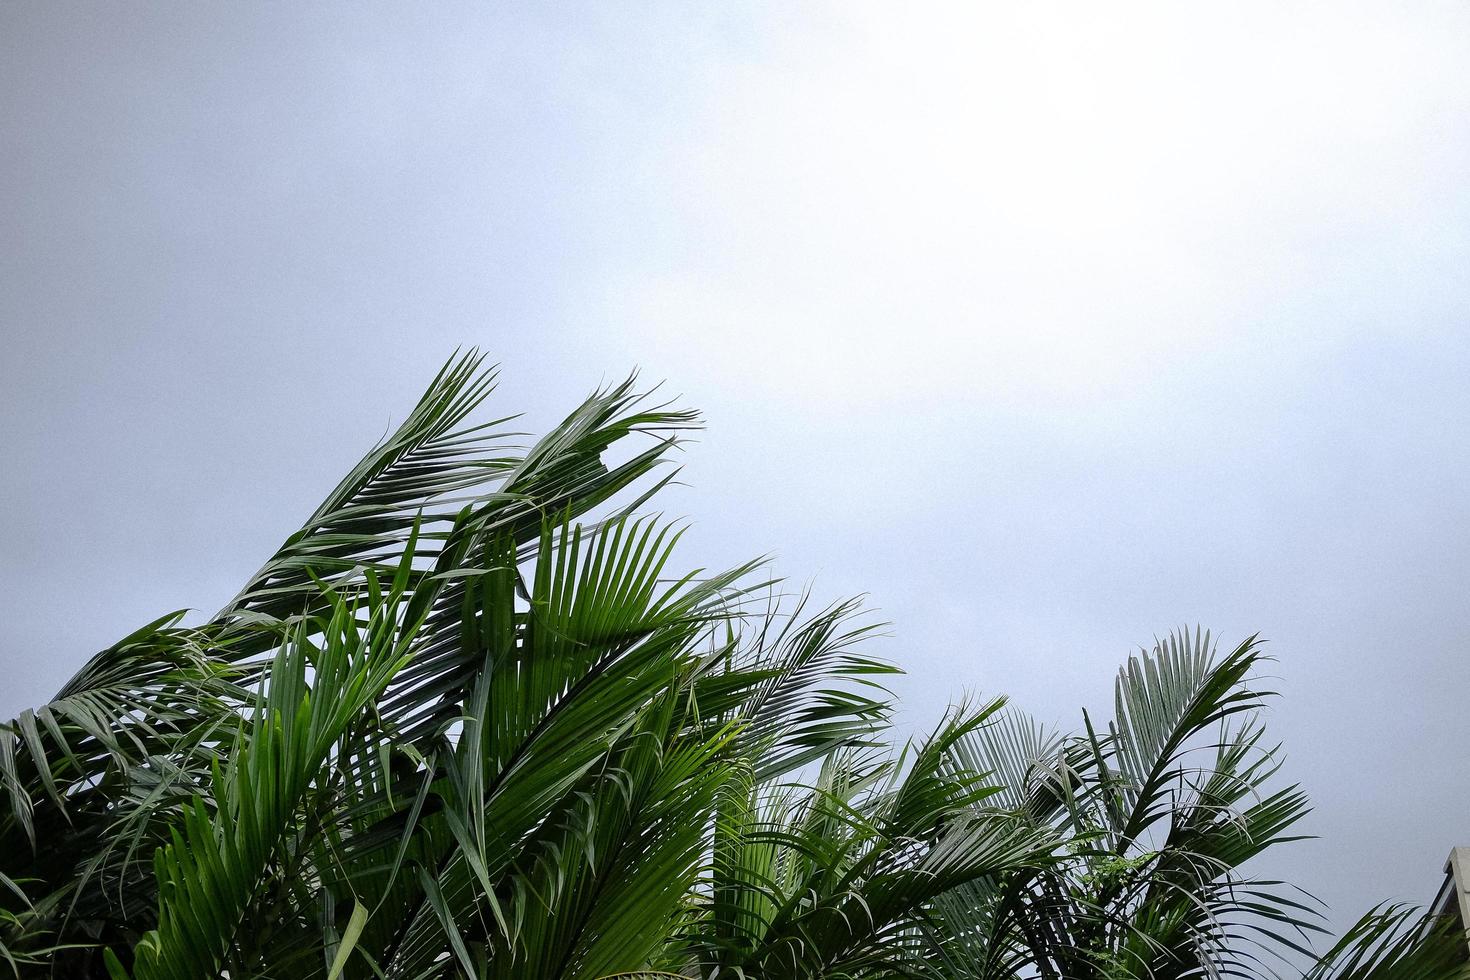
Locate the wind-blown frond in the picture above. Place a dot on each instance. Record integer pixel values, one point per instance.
(474, 719)
(149, 691)
(1396, 942)
(838, 879)
(810, 690)
(212, 872)
(1157, 814)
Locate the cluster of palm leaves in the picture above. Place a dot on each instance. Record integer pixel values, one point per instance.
(472, 721)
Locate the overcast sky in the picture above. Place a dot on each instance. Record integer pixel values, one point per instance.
(1050, 327)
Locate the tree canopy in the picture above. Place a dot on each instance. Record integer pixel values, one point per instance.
(474, 718)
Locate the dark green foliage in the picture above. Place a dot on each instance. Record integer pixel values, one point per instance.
(472, 719)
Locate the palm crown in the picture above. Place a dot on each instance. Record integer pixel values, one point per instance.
(472, 720)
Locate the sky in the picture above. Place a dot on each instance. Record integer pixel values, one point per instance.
(1049, 327)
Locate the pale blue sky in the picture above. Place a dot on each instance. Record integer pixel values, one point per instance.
(1051, 327)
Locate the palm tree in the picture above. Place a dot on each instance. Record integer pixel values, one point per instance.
(470, 721)
(1157, 815)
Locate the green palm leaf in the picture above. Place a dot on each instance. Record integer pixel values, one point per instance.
(211, 874)
(472, 719)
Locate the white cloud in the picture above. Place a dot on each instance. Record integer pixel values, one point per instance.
(1011, 201)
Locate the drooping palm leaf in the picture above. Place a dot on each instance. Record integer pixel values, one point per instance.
(1396, 942)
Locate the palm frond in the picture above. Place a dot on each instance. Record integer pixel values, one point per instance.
(210, 874)
(473, 719)
(1396, 942)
